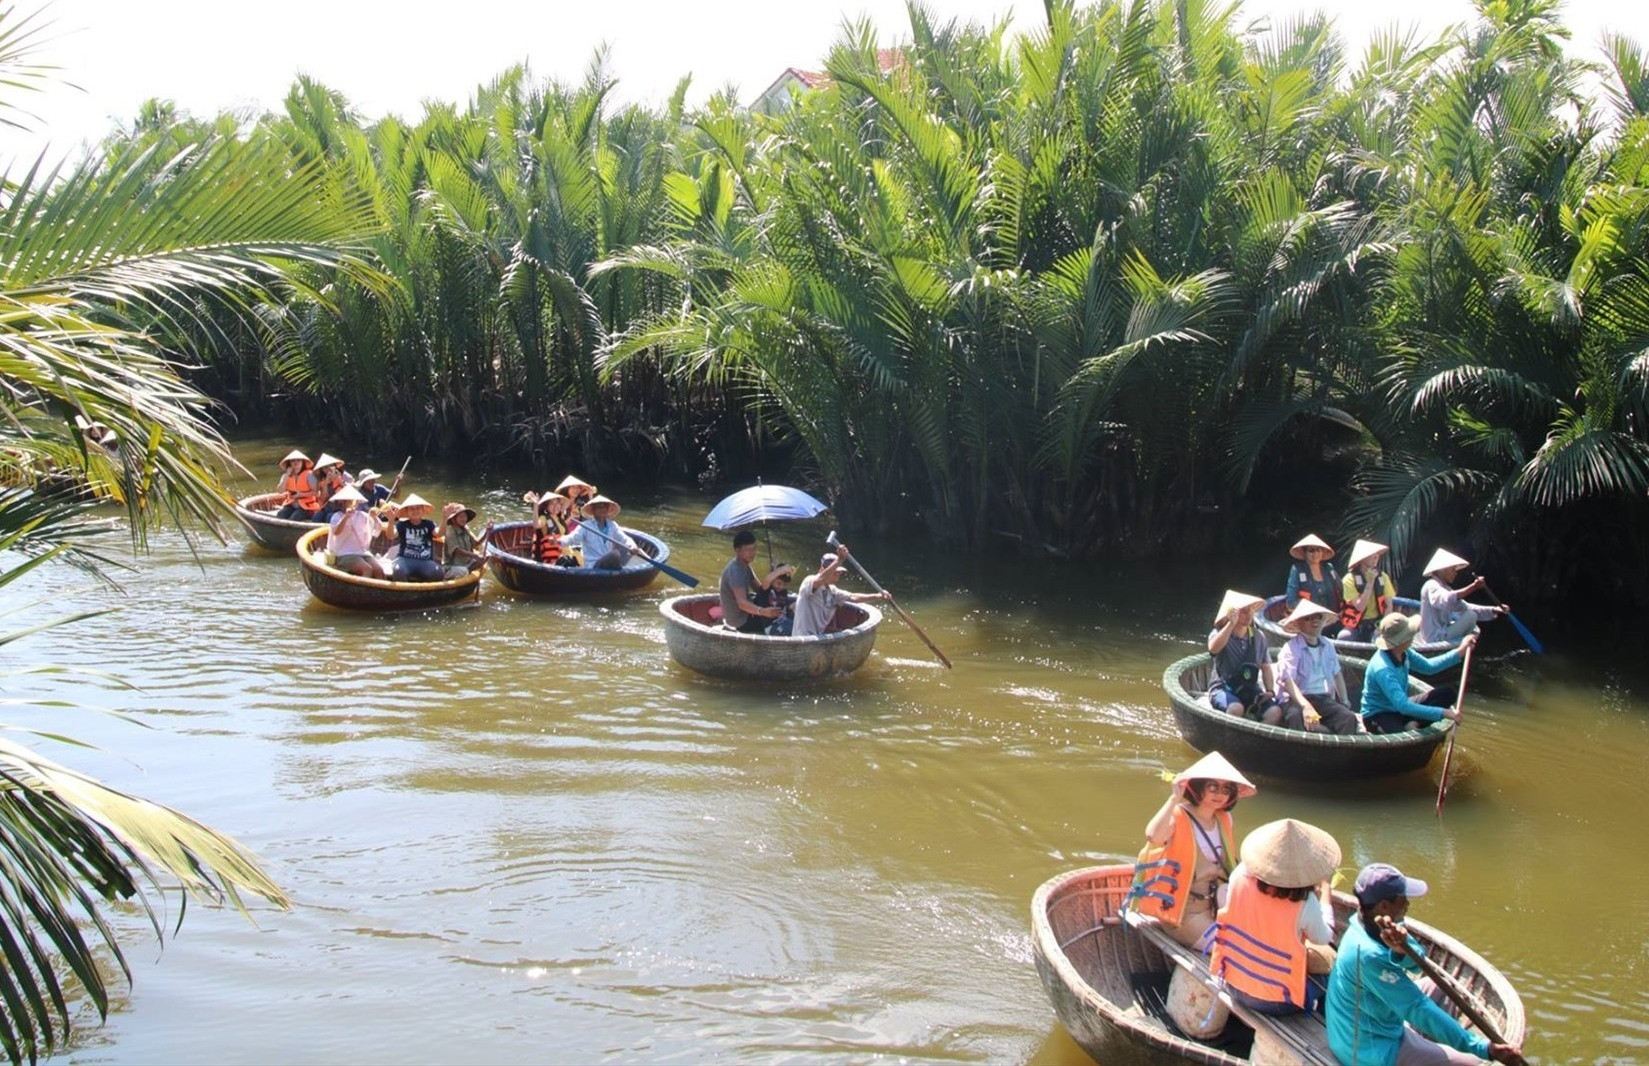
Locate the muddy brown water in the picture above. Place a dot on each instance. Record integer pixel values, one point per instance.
(517, 832)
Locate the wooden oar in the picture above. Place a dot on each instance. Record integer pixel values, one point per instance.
(1452, 989)
(686, 579)
(1448, 755)
(403, 473)
(1517, 623)
(909, 621)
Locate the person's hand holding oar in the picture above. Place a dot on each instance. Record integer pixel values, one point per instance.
(1396, 937)
(830, 541)
(1469, 644)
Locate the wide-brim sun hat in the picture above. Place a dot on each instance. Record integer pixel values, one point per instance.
(328, 460)
(349, 493)
(295, 454)
(1443, 559)
(412, 501)
(453, 510)
(1303, 610)
(1364, 550)
(589, 505)
(366, 475)
(1236, 601)
(1290, 854)
(571, 482)
(1310, 540)
(1215, 767)
(1396, 630)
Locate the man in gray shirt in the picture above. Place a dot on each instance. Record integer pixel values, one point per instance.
(739, 584)
(818, 598)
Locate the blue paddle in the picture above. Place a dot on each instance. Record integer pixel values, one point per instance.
(1517, 624)
(686, 579)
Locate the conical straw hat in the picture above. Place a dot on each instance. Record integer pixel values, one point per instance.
(603, 499)
(295, 454)
(328, 460)
(1310, 540)
(1442, 561)
(1303, 610)
(1290, 854)
(570, 482)
(349, 492)
(1236, 601)
(1215, 767)
(414, 500)
(1363, 551)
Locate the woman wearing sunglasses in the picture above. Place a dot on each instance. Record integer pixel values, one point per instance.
(1188, 855)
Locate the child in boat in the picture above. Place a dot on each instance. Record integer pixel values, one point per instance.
(1271, 940)
(462, 550)
(549, 526)
(1311, 577)
(415, 537)
(1242, 680)
(1188, 856)
(300, 499)
(1445, 616)
(1366, 592)
(1310, 685)
(777, 594)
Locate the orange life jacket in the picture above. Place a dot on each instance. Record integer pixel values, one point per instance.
(1350, 616)
(1163, 874)
(1257, 946)
(545, 541)
(302, 488)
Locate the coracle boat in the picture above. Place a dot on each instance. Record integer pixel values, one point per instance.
(1268, 749)
(257, 514)
(340, 589)
(509, 555)
(1108, 981)
(1276, 609)
(698, 641)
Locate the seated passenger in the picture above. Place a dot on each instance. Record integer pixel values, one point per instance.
(579, 494)
(600, 538)
(462, 551)
(549, 526)
(1366, 592)
(366, 483)
(739, 588)
(777, 594)
(1272, 937)
(1310, 685)
(415, 536)
(352, 531)
(1312, 578)
(329, 478)
(1387, 706)
(818, 598)
(1445, 616)
(299, 499)
(1242, 680)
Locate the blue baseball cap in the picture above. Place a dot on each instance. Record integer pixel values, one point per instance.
(1381, 881)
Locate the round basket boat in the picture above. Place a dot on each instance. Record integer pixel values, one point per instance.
(340, 589)
(509, 557)
(1276, 609)
(1268, 749)
(1108, 979)
(698, 641)
(257, 514)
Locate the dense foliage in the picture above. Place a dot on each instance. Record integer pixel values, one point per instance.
(1147, 277)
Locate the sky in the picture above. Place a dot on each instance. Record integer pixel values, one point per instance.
(388, 56)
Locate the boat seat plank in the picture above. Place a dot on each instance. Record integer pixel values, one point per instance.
(1305, 1034)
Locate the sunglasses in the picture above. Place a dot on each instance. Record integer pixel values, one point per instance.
(1219, 786)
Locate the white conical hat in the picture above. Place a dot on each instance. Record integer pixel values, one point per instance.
(1310, 540)
(1303, 610)
(328, 460)
(1442, 560)
(349, 492)
(1364, 550)
(571, 482)
(1216, 767)
(602, 499)
(414, 500)
(1236, 601)
(1290, 854)
(295, 454)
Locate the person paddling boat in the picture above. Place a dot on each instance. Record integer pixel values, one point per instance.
(601, 538)
(1387, 706)
(1445, 616)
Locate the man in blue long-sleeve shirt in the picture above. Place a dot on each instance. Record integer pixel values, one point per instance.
(1387, 706)
(1377, 1014)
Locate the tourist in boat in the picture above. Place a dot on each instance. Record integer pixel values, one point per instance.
(300, 501)
(1387, 706)
(598, 537)
(351, 531)
(415, 537)
(1311, 577)
(549, 526)
(1242, 681)
(739, 587)
(1378, 1015)
(819, 596)
(777, 594)
(1191, 832)
(366, 483)
(1445, 616)
(1310, 685)
(578, 494)
(1366, 592)
(462, 550)
(1272, 937)
(329, 478)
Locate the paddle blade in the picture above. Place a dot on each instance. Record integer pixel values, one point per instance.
(686, 579)
(1528, 637)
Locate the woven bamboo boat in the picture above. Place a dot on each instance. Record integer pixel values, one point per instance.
(1276, 609)
(340, 589)
(509, 556)
(1268, 749)
(1108, 981)
(257, 514)
(699, 641)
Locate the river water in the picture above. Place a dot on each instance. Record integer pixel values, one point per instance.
(517, 831)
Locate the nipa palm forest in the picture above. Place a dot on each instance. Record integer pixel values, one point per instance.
(1142, 279)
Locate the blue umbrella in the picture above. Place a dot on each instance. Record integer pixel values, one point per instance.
(759, 503)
